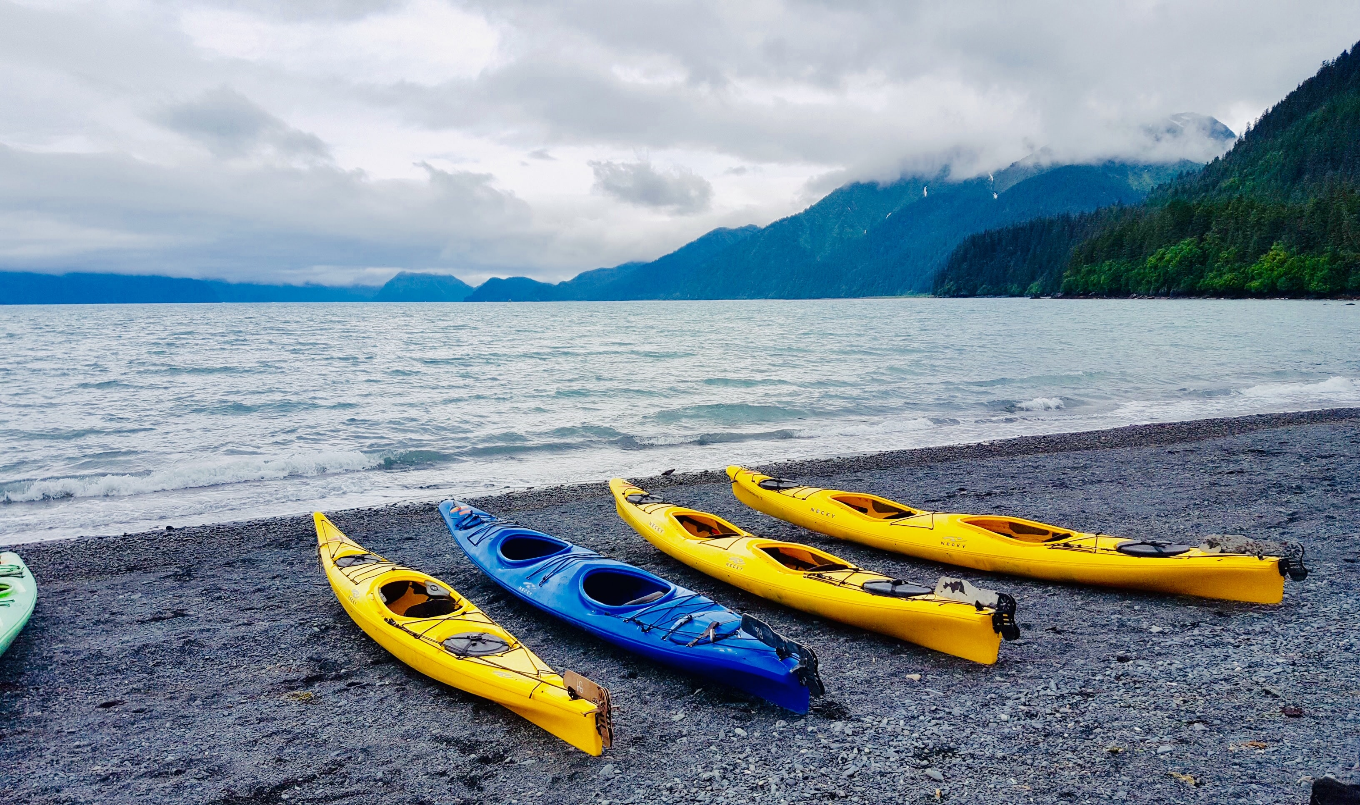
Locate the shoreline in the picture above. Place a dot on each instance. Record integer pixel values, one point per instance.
(214, 665)
(1351, 298)
(1016, 446)
(1148, 435)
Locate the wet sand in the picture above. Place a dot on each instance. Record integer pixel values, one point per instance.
(214, 665)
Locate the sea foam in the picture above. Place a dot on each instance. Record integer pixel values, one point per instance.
(1335, 388)
(192, 476)
(1041, 404)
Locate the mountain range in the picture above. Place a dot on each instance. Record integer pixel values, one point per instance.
(863, 239)
(79, 288)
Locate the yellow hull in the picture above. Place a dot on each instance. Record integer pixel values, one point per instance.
(769, 568)
(1010, 544)
(430, 627)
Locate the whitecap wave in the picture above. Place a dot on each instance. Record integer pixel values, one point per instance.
(193, 476)
(1259, 399)
(1333, 389)
(1041, 404)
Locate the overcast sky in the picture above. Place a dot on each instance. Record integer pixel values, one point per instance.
(342, 140)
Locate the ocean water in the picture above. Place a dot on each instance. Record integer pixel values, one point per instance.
(130, 417)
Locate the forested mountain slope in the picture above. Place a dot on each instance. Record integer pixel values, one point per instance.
(1278, 215)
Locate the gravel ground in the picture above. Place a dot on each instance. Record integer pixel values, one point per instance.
(213, 664)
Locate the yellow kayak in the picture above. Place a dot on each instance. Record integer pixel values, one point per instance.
(1018, 546)
(433, 629)
(954, 618)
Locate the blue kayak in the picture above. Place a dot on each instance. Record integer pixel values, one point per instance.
(636, 610)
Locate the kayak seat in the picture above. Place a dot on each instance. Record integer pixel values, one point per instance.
(416, 599)
(617, 588)
(803, 559)
(875, 508)
(701, 527)
(526, 547)
(654, 595)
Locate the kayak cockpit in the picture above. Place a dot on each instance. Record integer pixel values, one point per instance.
(418, 598)
(802, 559)
(876, 507)
(703, 526)
(1019, 529)
(530, 548)
(620, 588)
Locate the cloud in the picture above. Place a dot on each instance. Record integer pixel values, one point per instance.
(231, 126)
(678, 190)
(253, 221)
(418, 41)
(310, 10)
(1192, 136)
(334, 139)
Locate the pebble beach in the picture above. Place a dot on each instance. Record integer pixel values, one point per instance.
(214, 665)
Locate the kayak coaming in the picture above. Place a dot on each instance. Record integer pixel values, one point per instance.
(665, 629)
(743, 560)
(958, 539)
(18, 597)
(514, 678)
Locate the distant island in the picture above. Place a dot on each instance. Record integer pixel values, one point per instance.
(1278, 215)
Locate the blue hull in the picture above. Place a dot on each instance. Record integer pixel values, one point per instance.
(636, 610)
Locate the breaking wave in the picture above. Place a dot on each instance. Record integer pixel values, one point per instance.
(1041, 404)
(1333, 389)
(190, 477)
